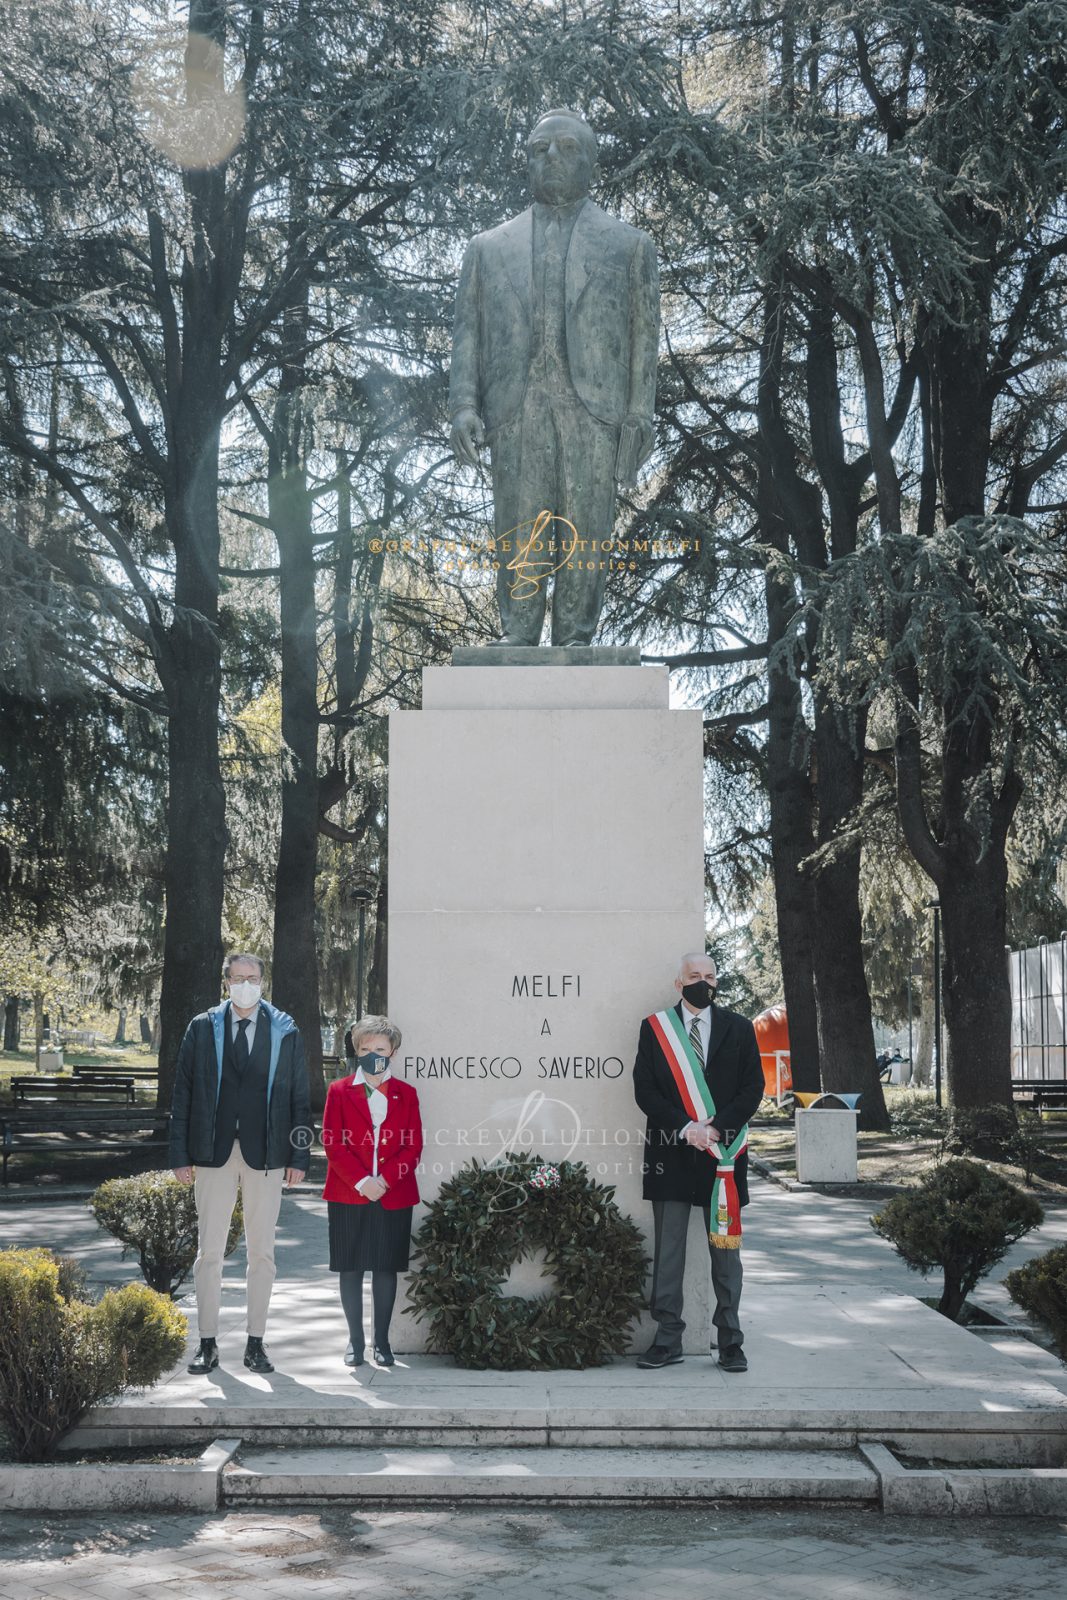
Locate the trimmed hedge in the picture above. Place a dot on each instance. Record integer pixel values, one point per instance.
(155, 1215)
(1041, 1289)
(60, 1356)
(961, 1218)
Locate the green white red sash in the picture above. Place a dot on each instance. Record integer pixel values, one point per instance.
(687, 1069)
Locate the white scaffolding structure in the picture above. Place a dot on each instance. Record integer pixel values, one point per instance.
(1038, 1011)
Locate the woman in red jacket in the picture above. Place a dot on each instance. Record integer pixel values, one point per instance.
(372, 1136)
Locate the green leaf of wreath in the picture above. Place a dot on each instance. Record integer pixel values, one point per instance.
(487, 1218)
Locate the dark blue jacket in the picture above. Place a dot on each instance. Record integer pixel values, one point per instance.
(198, 1080)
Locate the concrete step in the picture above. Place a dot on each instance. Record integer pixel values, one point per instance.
(562, 1476)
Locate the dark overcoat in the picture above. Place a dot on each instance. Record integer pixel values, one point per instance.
(671, 1168)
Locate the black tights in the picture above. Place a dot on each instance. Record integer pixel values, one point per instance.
(383, 1294)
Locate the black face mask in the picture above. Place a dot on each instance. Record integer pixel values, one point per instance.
(372, 1065)
(699, 994)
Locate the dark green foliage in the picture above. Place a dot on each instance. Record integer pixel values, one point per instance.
(998, 1133)
(1041, 1289)
(59, 1356)
(918, 1118)
(487, 1218)
(988, 1131)
(155, 1215)
(961, 1219)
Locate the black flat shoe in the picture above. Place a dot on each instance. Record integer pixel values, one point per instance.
(659, 1356)
(256, 1358)
(206, 1358)
(733, 1359)
(384, 1356)
(354, 1358)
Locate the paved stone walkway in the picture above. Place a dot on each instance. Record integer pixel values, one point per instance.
(572, 1554)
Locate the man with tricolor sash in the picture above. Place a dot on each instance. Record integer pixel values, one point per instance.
(698, 1079)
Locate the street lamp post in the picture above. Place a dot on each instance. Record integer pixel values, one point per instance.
(359, 892)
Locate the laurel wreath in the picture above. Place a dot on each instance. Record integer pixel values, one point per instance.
(489, 1217)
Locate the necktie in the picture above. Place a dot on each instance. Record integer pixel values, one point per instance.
(240, 1047)
(694, 1035)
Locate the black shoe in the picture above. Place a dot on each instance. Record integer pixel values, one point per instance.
(256, 1359)
(660, 1356)
(732, 1359)
(354, 1358)
(206, 1358)
(383, 1355)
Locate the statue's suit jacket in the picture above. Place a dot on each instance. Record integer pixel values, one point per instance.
(612, 319)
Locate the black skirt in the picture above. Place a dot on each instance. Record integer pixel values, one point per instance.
(367, 1239)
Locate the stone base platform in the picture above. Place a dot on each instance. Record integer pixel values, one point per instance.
(831, 1368)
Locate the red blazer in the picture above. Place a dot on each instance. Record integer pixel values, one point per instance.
(348, 1140)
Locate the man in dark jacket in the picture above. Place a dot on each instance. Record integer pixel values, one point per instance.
(679, 1173)
(241, 1117)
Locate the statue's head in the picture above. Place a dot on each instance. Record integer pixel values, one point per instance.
(561, 154)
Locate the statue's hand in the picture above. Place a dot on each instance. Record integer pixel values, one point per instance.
(635, 446)
(468, 436)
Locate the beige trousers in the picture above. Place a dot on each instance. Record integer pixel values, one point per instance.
(215, 1189)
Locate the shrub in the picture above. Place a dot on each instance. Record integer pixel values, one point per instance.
(998, 1134)
(991, 1131)
(1041, 1289)
(960, 1218)
(58, 1357)
(918, 1117)
(155, 1215)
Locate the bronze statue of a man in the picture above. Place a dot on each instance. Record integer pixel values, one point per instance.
(554, 366)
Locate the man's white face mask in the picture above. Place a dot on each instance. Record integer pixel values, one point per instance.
(246, 994)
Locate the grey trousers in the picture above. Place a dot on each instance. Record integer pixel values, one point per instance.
(553, 457)
(671, 1220)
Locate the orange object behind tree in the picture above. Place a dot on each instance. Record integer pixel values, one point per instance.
(772, 1033)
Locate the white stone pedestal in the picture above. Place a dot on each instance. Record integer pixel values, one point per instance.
(546, 874)
(826, 1146)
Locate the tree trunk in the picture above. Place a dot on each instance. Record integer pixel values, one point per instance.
(789, 797)
(188, 651)
(923, 1066)
(377, 996)
(846, 1034)
(120, 1029)
(976, 990)
(145, 1028)
(12, 1022)
(295, 972)
(38, 1028)
(196, 839)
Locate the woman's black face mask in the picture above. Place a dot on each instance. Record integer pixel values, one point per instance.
(373, 1065)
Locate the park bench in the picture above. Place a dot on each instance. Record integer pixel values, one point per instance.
(89, 1130)
(93, 1069)
(112, 1087)
(1040, 1093)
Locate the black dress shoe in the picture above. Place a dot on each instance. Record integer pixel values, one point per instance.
(732, 1359)
(206, 1358)
(659, 1356)
(353, 1357)
(383, 1355)
(256, 1359)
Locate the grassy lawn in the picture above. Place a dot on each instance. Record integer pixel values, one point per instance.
(887, 1160)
